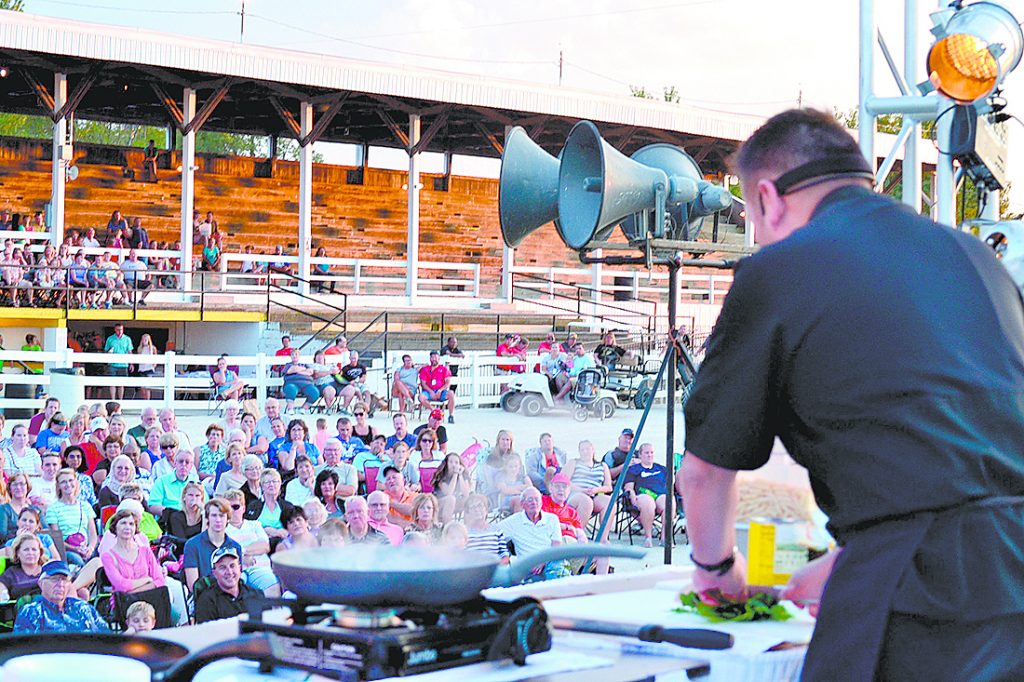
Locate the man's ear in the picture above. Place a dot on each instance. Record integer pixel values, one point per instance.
(773, 211)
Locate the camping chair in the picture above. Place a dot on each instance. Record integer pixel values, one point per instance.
(158, 597)
(371, 478)
(426, 480)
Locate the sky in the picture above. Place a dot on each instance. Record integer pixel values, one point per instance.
(744, 56)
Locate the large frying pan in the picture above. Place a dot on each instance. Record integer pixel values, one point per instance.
(167, 661)
(383, 575)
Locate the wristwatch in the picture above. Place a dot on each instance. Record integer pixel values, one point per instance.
(721, 568)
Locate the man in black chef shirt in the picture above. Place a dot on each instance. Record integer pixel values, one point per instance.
(887, 353)
(227, 596)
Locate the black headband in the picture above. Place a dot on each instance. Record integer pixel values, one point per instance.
(845, 165)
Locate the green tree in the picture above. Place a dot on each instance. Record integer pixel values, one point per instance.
(13, 5)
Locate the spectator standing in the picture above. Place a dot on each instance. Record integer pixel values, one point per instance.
(451, 350)
(145, 368)
(140, 237)
(54, 611)
(118, 343)
(286, 347)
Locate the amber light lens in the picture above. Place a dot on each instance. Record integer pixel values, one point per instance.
(962, 68)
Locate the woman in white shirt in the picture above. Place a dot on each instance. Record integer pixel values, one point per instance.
(143, 368)
(255, 546)
(19, 458)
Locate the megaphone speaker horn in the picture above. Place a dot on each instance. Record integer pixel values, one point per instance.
(527, 188)
(598, 186)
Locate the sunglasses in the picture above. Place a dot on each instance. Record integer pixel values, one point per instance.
(166, 447)
(236, 506)
(359, 414)
(427, 440)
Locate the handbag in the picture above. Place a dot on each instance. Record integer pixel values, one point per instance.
(77, 541)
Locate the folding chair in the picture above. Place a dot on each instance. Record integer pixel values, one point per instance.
(371, 478)
(158, 597)
(426, 480)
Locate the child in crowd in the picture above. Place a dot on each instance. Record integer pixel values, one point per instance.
(140, 617)
(320, 438)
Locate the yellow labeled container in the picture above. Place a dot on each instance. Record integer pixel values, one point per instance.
(774, 551)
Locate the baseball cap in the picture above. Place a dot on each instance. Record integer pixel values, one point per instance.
(134, 506)
(56, 567)
(560, 478)
(223, 551)
(627, 432)
(98, 423)
(434, 352)
(388, 469)
(437, 414)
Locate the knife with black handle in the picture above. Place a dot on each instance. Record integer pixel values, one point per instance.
(692, 638)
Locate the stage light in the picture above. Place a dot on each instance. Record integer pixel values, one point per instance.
(3, 72)
(977, 46)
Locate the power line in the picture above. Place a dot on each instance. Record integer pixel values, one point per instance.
(542, 20)
(85, 5)
(394, 51)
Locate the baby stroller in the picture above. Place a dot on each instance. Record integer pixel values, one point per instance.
(587, 399)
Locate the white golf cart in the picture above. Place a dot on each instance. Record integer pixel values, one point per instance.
(530, 394)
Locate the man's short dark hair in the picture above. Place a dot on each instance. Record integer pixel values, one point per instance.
(791, 139)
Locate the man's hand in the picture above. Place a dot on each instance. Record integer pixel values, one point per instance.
(715, 589)
(807, 584)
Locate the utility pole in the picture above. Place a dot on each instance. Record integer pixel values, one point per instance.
(242, 28)
(561, 64)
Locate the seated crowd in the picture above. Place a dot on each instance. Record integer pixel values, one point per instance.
(180, 527)
(45, 276)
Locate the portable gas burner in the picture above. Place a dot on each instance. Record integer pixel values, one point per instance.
(360, 644)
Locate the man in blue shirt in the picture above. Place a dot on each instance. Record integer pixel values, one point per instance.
(198, 561)
(401, 433)
(54, 611)
(118, 343)
(644, 489)
(51, 438)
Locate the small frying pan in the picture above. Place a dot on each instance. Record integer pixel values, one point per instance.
(383, 575)
(167, 661)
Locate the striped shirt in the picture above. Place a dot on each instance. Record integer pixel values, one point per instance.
(489, 541)
(592, 477)
(70, 518)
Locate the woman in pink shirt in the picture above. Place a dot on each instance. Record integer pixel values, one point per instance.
(130, 567)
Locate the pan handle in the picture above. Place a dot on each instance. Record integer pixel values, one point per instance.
(253, 647)
(507, 576)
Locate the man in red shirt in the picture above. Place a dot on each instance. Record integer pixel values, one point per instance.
(286, 346)
(509, 348)
(557, 503)
(569, 521)
(435, 384)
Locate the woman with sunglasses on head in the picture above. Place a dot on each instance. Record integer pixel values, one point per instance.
(255, 543)
(74, 517)
(74, 458)
(30, 522)
(361, 429)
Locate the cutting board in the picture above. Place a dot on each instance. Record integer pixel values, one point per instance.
(747, 661)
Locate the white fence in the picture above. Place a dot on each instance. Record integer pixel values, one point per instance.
(183, 381)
